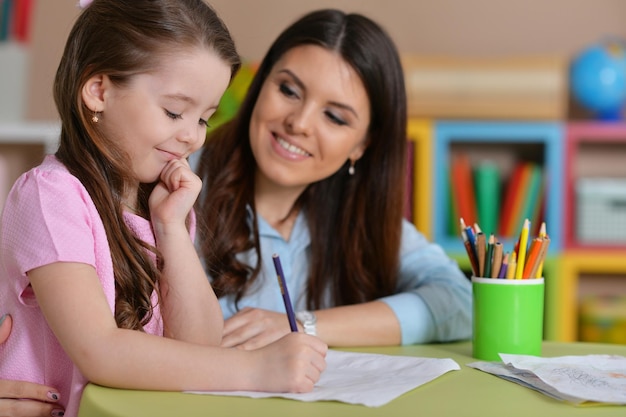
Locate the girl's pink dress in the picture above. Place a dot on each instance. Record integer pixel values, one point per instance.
(49, 217)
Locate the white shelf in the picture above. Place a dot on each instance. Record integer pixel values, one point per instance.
(46, 133)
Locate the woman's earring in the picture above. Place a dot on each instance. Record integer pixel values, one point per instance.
(351, 169)
(95, 117)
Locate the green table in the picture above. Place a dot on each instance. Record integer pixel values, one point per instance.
(468, 392)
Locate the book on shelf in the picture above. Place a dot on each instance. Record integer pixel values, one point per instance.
(452, 220)
(15, 20)
(487, 185)
(478, 194)
(463, 195)
(525, 192)
(515, 191)
(22, 20)
(531, 199)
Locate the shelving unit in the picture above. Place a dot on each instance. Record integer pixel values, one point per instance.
(420, 131)
(29, 133)
(592, 150)
(566, 289)
(503, 143)
(566, 151)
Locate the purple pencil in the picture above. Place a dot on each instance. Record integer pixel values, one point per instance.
(505, 266)
(285, 293)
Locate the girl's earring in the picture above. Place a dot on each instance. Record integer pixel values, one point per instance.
(351, 169)
(95, 117)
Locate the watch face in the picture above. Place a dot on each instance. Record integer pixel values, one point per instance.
(306, 316)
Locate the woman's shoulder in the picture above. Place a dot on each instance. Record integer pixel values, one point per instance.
(410, 231)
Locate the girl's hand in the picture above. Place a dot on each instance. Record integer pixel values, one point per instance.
(253, 328)
(19, 398)
(293, 363)
(174, 196)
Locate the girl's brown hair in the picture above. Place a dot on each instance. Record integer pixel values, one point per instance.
(355, 220)
(121, 38)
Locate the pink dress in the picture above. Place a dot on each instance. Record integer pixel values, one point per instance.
(49, 217)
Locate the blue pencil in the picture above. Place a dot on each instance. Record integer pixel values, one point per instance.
(285, 293)
(471, 237)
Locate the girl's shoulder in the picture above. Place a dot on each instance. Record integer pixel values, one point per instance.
(50, 184)
(51, 171)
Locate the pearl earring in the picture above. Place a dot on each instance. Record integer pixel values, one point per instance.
(351, 169)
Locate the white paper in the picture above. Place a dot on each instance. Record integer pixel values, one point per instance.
(363, 378)
(525, 378)
(576, 379)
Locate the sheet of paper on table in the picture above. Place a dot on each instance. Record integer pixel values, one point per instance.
(363, 378)
(575, 379)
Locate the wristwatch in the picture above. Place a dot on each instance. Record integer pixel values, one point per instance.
(308, 320)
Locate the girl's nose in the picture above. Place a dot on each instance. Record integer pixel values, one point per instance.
(193, 136)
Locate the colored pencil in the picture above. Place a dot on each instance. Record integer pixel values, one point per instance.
(285, 293)
(542, 234)
(497, 260)
(470, 249)
(533, 257)
(521, 254)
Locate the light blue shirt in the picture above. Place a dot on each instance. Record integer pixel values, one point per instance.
(433, 298)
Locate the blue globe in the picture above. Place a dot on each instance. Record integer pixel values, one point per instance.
(598, 79)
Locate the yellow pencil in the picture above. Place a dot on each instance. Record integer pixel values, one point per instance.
(521, 254)
(510, 271)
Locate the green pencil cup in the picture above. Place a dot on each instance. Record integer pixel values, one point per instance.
(508, 317)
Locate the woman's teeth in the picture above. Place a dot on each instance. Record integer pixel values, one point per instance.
(291, 148)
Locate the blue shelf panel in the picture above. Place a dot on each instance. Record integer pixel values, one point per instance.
(548, 134)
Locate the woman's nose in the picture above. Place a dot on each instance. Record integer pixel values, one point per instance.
(300, 121)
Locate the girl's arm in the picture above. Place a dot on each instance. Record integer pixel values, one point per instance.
(74, 304)
(189, 306)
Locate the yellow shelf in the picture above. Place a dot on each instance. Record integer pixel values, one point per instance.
(564, 288)
(420, 132)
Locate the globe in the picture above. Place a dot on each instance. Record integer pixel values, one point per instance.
(598, 79)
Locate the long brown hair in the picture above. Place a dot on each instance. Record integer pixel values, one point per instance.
(121, 38)
(355, 220)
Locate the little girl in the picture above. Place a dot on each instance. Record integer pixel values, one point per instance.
(96, 243)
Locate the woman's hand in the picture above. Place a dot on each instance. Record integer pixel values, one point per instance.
(253, 328)
(19, 398)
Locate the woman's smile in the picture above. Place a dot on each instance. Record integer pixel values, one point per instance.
(293, 150)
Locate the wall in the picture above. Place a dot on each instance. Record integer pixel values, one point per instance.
(442, 27)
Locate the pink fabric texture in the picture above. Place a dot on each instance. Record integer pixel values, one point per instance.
(49, 217)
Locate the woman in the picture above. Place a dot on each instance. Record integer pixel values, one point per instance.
(312, 168)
